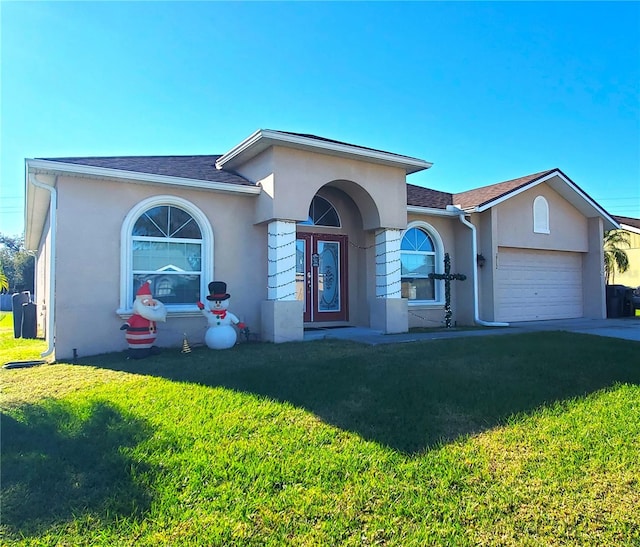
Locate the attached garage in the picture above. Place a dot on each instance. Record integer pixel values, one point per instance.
(534, 285)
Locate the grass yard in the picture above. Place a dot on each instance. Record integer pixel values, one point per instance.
(20, 350)
(508, 440)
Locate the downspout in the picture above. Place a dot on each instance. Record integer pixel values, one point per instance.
(53, 206)
(474, 251)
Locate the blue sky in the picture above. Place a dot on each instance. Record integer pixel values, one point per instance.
(486, 91)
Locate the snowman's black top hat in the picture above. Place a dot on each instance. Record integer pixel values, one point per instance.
(218, 291)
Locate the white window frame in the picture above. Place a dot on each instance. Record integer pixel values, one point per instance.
(126, 253)
(439, 263)
(312, 223)
(541, 215)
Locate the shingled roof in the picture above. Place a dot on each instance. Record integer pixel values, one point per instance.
(481, 196)
(425, 197)
(203, 168)
(634, 222)
(189, 167)
(324, 139)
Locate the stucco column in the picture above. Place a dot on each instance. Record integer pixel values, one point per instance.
(387, 245)
(388, 311)
(593, 279)
(281, 240)
(281, 312)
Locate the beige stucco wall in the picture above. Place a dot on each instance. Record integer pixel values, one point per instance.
(593, 280)
(568, 227)
(290, 178)
(465, 263)
(90, 217)
(630, 278)
(486, 226)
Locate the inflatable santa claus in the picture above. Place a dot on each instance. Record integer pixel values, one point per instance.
(141, 331)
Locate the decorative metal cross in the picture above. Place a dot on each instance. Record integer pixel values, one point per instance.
(448, 278)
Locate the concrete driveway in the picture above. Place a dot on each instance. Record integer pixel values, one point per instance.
(627, 328)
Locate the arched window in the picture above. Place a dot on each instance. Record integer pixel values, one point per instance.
(322, 213)
(420, 255)
(167, 241)
(540, 215)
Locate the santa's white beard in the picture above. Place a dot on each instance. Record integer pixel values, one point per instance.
(157, 312)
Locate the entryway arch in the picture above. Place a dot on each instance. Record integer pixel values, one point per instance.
(332, 249)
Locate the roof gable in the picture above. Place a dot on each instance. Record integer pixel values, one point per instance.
(342, 143)
(263, 139)
(479, 197)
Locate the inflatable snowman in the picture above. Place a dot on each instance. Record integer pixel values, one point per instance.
(220, 334)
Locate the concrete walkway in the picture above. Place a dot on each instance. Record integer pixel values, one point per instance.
(627, 328)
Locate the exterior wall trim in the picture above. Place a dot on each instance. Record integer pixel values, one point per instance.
(628, 228)
(430, 211)
(138, 177)
(262, 139)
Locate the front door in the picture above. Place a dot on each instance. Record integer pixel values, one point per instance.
(321, 276)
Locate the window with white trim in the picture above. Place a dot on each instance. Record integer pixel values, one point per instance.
(169, 242)
(540, 215)
(420, 253)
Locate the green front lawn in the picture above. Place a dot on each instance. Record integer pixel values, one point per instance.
(17, 350)
(507, 440)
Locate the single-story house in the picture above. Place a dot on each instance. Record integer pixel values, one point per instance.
(630, 278)
(306, 232)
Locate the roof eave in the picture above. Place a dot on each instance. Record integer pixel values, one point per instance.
(628, 228)
(55, 167)
(433, 211)
(262, 139)
(36, 204)
(567, 189)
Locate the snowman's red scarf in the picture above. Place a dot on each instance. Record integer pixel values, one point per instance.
(220, 314)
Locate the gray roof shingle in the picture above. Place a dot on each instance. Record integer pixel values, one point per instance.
(190, 167)
(324, 139)
(203, 168)
(425, 197)
(629, 221)
(481, 196)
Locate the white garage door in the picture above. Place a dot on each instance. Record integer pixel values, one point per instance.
(536, 285)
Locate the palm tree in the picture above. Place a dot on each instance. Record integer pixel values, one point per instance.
(615, 258)
(4, 282)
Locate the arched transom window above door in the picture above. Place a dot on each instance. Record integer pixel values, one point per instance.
(322, 213)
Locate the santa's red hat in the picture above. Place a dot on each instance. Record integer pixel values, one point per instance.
(145, 290)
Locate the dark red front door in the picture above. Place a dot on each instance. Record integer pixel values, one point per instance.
(321, 276)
